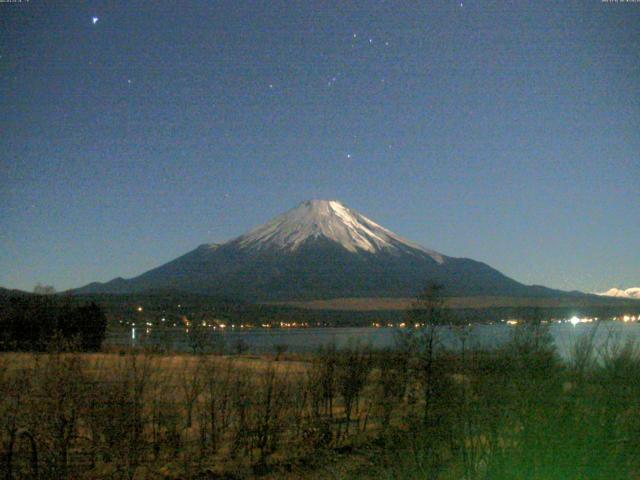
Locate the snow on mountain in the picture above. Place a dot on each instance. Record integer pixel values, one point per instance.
(332, 220)
(633, 292)
(613, 292)
(617, 292)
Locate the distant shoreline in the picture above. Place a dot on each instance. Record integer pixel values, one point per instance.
(396, 304)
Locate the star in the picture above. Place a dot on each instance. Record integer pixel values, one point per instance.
(94, 20)
(348, 155)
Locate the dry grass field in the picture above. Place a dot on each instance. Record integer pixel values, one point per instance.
(415, 412)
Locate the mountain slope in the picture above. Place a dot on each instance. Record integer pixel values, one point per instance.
(318, 250)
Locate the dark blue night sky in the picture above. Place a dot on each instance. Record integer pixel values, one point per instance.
(505, 132)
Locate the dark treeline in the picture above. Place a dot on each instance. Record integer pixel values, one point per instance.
(35, 322)
(493, 314)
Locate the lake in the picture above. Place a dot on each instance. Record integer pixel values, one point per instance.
(265, 340)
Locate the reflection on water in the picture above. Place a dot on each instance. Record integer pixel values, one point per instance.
(310, 339)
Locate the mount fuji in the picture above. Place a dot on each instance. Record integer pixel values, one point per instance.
(320, 249)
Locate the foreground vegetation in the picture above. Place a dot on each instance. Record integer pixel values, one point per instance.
(415, 412)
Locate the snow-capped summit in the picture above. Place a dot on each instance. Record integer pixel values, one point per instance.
(617, 292)
(331, 220)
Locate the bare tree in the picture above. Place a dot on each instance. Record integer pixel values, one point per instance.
(191, 386)
(44, 289)
(427, 313)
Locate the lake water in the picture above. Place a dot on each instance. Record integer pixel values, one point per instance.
(310, 339)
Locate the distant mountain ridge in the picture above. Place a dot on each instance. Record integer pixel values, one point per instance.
(321, 249)
(633, 292)
(7, 293)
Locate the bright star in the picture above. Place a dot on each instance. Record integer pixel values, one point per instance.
(95, 20)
